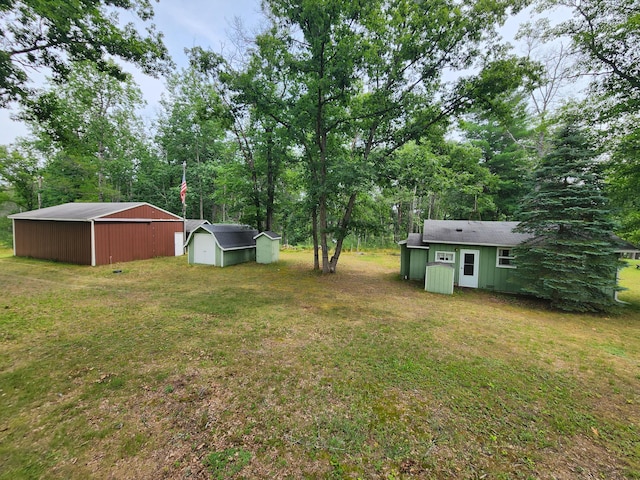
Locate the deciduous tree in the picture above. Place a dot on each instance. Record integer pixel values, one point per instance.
(363, 78)
(55, 34)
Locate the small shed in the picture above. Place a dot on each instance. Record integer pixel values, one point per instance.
(267, 247)
(439, 278)
(97, 233)
(221, 244)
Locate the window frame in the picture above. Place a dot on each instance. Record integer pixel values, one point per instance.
(453, 256)
(500, 256)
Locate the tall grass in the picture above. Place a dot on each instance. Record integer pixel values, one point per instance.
(167, 370)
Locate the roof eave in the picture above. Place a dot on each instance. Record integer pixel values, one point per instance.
(448, 242)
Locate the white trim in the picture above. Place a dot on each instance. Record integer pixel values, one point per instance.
(418, 248)
(13, 233)
(509, 257)
(93, 244)
(278, 237)
(453, 254)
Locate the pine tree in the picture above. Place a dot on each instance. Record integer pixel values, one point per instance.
(571, 259)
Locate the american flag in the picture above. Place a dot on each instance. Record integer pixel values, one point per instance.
(183, 189)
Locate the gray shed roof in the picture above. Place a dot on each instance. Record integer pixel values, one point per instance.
(230, 236)
(79, 212)
(270, 234)
(466, 232)
(624, 246)
(414, 240)
(498, 234)
(192, 224)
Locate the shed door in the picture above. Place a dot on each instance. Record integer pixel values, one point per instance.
(204, 249)
(469, 262)
(179, 243)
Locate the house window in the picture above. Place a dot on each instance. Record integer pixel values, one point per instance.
(445, 257)
(505, 258)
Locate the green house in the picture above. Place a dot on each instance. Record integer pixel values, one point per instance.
(481, 253)
(221, 245)
(267, 247)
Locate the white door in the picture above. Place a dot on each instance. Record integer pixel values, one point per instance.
(179, 243)
(204, 249)
(469, 261)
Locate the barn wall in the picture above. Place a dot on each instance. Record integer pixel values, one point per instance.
(144, 211)
(127, 241)
(68, 242)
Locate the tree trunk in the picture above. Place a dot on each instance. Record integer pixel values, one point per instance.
(324, 244)
(271, 176)
(314, 219)
(413, 209)
(342, 233)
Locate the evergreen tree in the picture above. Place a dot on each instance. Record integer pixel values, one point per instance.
(570, 259)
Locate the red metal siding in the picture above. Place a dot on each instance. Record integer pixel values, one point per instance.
(144, 211)
(124, 242)
(68, 242)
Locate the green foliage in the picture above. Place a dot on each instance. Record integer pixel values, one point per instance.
(604, 37)
(361, 79)
(604, 34)
(58, 33)
(19, 170)
(6, 232)
(505, 141)
(89, 136)
(191, 128)
(623, 184)
(571, 259)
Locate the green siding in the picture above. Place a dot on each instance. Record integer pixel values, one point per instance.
(417, 263)
(405, 258)
(267, 249)
(233, 257)
(490, 277)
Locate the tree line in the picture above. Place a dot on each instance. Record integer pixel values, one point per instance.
(340, 121)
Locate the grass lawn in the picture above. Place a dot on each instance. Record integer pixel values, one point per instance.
(166, 370)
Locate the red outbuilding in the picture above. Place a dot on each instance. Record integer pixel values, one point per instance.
(97, 233)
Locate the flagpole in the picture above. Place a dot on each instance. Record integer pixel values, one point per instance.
(184, 206)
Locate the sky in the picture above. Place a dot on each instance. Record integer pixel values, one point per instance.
(185, 24)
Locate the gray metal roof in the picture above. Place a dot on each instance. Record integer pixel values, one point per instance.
(230, 236)
(79, 212)
(466, 232)
(270, 234)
